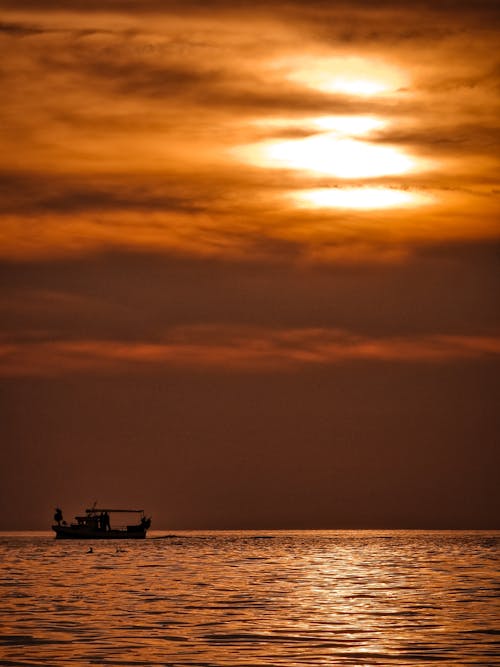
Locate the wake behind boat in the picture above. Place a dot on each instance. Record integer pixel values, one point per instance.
(96, 524)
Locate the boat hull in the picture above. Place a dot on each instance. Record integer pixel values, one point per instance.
(85, 533)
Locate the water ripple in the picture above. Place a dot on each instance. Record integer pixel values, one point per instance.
(243, 599)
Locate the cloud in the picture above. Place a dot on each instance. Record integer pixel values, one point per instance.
(133, 297)
(121, 128)
(229, 349)
(44, 193)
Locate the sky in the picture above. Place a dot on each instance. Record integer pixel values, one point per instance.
(249, 262)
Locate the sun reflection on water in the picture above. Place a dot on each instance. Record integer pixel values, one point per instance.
(315, 597)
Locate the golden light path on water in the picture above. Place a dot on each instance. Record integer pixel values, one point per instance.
(339, 146)
(288, 598)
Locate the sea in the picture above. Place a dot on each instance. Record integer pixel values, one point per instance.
(252, 598)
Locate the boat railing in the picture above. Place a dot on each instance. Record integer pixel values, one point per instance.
(136, 518)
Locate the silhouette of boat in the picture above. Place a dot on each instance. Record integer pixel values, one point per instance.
(95, 524)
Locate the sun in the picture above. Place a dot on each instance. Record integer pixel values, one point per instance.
(328, 155)
(337, 146)
(342, 147)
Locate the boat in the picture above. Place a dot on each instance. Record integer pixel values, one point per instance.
(96, 524)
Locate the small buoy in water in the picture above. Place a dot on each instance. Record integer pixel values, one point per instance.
(90, 551)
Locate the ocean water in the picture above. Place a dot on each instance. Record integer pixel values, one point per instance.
(247, 599)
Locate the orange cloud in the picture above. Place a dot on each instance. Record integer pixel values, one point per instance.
(129, 121)
(237, 349)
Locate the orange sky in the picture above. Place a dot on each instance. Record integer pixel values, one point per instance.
(121, 127)
(251, 188)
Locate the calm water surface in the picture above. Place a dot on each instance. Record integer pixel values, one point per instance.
(304, 598)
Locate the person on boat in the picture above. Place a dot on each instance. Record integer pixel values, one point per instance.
(107, 524)
(58, 516)
(102, 521)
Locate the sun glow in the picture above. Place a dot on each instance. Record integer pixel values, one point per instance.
(338, 146)
(352, 126)
(358, 198)
(347, 126)
(348, 76)
(327, 154)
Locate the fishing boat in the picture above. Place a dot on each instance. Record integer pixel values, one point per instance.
(96, 524)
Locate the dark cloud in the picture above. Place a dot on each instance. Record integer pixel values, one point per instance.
(18, 29)
(454, 139)
(121, 69)
(316, 6)
(23, 193)
(138, 297)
